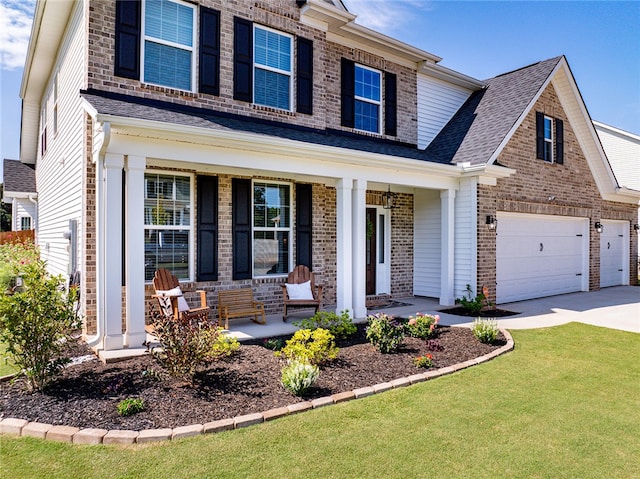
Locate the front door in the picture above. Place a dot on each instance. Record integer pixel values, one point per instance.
(370, 248)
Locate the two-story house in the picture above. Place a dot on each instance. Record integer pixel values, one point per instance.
(230, 141)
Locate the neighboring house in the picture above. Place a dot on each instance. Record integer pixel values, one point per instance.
(623, 151)
(19, 190)
(230, 141)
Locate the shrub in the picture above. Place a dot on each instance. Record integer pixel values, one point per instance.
(274, 344)
(474, 305)
(36, 320)
(221, 345)
(315, 347)
(425, 361)
(298, 376)
(340, 326)
(130, 406)
(422, 326)
(485, 330)
(384, 332)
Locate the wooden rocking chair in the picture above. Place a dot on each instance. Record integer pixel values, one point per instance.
(300, 291)
(171, 300)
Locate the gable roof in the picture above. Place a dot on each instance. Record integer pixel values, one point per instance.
(480, 126)
(18, 178)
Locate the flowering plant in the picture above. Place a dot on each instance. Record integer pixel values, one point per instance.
(425, 361)
(384, 332)
(422, 326)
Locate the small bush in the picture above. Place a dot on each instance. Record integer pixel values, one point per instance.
(384, 332)
(434, 345)
(422, 326)
(340, 326)
(315, 347)
(128, 407)
(425, 361)
(274, 344)
(222, 345)
(474, 305)
(298, 376)
(485, 330)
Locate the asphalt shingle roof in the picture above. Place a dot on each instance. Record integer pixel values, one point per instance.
(19, 177)
(477, 129)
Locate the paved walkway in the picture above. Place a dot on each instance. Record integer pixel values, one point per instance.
(617, 308)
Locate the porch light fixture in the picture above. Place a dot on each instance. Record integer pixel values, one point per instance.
(636, 227)
(491, 222)
(389, 199)
(599, 227)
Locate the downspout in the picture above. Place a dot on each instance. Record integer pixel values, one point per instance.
(98, 159)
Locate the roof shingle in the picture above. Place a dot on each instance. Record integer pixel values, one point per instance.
(19, 177)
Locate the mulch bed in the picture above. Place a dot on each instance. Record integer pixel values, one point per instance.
(485, 313)
(86, 394)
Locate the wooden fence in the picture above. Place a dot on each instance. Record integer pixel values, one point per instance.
(17, 236)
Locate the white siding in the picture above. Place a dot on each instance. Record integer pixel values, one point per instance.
(22, 207)
(59, 171)
(623, 152)
(426, 247)
(466, 240)
(437, 103)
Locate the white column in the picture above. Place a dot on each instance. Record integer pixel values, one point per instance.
(358, 260)
(447, 246)
(344, 245)
(134, 334)
(112, 267)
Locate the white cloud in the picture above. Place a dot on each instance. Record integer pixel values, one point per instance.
(386, 16)
(15, 28)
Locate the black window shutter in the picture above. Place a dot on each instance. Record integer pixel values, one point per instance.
(348, 84)
(559, 141)
(241, 227)
(539, 135)
(304, 225)
(128, 25)
(242, 59)
(304, 103)
(390, 104)
(207, 266)
(209, 51)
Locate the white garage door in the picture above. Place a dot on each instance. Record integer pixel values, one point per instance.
(614, 253)
(539, 255)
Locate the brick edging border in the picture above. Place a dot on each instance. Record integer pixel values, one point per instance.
(75, 435)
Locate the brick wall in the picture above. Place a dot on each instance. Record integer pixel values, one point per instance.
(528, 191)
(88, 303)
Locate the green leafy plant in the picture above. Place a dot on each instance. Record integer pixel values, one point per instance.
(425, 361)
(130, 406)
(222, 345)
(298, 376)
(384, 332)
(37, 319)
(474, 304)
(485, 330)
(315, 347)
(340, 326)
(274, 344)
(422, 326)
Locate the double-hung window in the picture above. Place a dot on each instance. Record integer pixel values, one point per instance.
(271, 228)
(25, 223)
(272, 68)
(368, 86)
(168, 44)
(167, 224)
(548, 139)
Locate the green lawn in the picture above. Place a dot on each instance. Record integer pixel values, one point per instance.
(564, 403)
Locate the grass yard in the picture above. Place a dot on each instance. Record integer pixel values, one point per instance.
(564, 403)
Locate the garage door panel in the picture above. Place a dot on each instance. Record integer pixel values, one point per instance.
(539, 256)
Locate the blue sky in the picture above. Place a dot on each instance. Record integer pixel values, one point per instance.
(601, 40)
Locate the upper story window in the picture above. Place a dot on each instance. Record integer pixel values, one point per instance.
(168, 44)
(271, 228)
(549, 138)
(43, 128)
(55, 105)
(368, 86)
(273, 67)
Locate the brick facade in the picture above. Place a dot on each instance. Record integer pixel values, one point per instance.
(528, 191)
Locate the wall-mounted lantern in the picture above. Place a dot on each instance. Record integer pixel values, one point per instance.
(598, 226)
(636, 227)
(491, 222)
(389, 199)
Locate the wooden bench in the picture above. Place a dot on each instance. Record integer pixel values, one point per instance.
(239, 303)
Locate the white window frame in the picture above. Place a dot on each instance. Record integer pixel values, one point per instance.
(369, 100)
(289, 229)
(43, 127)
(22, 223)
(55, 104)
(271, 69)
(192, 48)
(549, 142)
(190, 227)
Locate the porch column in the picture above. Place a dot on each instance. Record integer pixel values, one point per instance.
(447, 246)
(344, 245)
(358, 259)
(112, 266)
(134, 334)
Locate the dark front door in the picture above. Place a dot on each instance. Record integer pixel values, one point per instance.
(371, 250)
